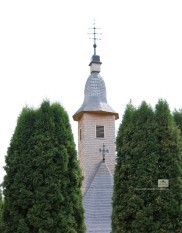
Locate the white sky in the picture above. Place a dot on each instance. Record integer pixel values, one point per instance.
(45, 51)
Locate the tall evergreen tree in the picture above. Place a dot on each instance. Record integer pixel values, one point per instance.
(123, 170)
(134, 174)
(43, 180)
(146, 153)
(168, 203)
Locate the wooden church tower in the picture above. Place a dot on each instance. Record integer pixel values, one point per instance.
(96, 149)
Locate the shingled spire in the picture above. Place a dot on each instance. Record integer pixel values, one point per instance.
(95, 97)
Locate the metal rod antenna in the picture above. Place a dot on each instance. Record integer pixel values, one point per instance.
(94, 33)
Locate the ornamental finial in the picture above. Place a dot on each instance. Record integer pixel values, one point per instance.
(94, 38)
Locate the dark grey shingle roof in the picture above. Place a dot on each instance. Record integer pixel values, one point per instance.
(97, 202)
(95, 98)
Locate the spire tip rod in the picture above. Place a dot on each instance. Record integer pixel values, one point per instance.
(94, 33)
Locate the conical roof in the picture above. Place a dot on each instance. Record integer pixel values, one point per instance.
(97, 201)
(95, 97)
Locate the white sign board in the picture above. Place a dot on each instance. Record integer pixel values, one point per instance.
(163, 183)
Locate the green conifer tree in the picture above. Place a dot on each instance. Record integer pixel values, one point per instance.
(43, 179)
(148, 148)
(123, 170)
(168, 203)
(135, 176)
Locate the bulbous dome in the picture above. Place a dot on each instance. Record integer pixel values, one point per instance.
(95, 87)
(95, 99)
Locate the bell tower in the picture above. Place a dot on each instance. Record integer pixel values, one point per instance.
(96, 124)
(96, 149)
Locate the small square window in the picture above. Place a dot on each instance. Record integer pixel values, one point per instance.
(99, 131)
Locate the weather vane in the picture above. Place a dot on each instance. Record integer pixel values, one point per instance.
(94, 38)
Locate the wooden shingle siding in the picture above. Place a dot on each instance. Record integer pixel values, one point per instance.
(88, 147)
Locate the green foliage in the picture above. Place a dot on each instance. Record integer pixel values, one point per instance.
(168, 202)
(43, 181)
(177, 114)
(148, 148)
(1, 210)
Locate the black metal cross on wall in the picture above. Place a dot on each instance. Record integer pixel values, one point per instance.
(104, 151)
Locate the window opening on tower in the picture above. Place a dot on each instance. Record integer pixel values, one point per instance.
(99, 131)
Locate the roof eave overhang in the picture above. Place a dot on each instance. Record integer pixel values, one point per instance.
(78, 116)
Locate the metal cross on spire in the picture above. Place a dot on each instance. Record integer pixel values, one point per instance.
(94, 38)
(103, 152)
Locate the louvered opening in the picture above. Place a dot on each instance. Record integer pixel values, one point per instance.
(99, 131)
